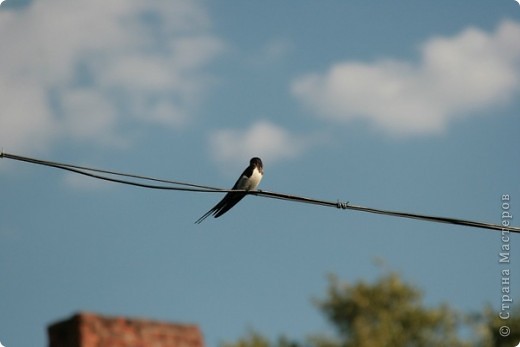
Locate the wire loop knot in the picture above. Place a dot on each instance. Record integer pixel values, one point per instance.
(342, 204)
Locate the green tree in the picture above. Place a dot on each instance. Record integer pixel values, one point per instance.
(390, 312)
(386, 313)
(495, 331)
(254, 339)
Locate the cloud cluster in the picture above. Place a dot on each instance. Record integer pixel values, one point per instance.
(263, 139)
(79, 69)
(455, 76)
(86, 70)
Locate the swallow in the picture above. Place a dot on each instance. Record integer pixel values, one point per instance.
(249, 180)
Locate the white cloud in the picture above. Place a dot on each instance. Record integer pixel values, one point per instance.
(89, 116)
(79, 69)
(455, 76)
(278, 48)
(25, 118)
(263, 139)
(273, 51)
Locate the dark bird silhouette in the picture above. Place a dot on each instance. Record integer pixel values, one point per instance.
(249, 180)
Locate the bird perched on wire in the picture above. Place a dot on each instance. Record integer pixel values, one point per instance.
(249, 180)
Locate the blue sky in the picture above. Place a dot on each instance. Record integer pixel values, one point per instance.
(410, 106)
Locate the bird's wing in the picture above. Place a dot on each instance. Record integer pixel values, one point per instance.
(224, 205)
(230, 199)
(240, 183)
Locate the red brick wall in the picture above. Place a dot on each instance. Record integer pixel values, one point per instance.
(92, 330)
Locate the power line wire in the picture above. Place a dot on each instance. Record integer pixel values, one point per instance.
(191, 187)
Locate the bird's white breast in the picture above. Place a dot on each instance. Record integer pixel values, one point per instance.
(250, 183)
(255, 179)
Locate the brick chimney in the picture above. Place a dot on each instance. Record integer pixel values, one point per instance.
(92, 330)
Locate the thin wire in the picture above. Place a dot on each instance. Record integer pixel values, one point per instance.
(348, 206)
(190, 187)
(85, 171)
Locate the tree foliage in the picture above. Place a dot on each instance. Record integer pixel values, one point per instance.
(491, 328)
(386, 313)
(390, 312)
(254, 339)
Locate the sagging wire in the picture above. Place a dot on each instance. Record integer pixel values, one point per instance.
(191, 187)
(349, 206)
(86, 171)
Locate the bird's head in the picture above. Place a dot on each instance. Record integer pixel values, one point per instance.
(257, 162)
